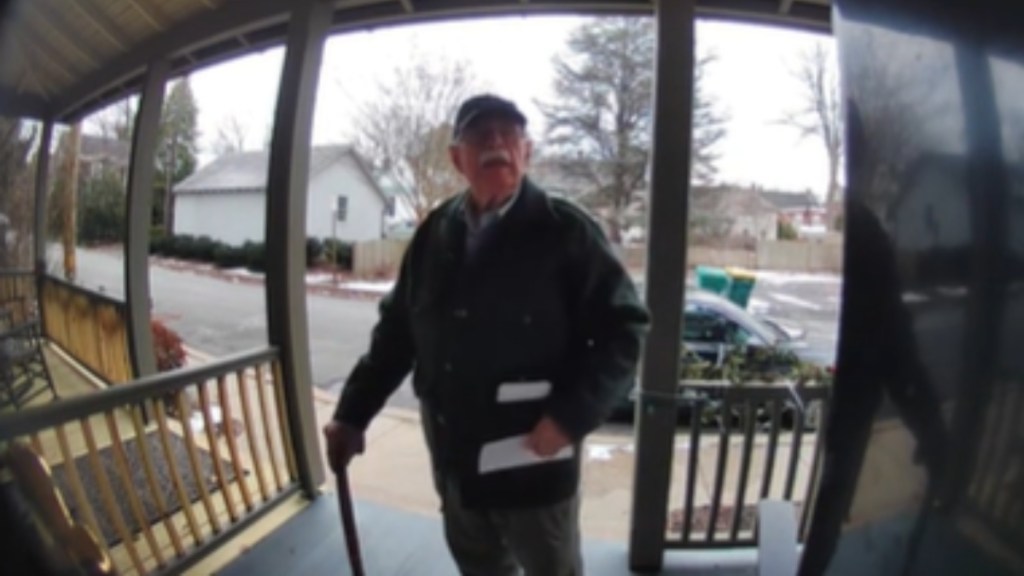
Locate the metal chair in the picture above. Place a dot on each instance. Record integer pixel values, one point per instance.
(24, 374)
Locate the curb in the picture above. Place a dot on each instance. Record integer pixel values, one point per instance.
(212, 272)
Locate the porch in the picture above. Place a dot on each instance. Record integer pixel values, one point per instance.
(205, 458)
(183, 471)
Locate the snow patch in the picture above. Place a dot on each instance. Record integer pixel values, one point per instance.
(373, 287)
(319, 278)
(914, 298)
(758, 306)
(244, 272)
(198, 423)
(601, 452)
(953, 291)
(781, 278)
(800, 302)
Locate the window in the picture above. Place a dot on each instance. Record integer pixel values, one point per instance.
(703, 326)
(341, 210)
(708, 326)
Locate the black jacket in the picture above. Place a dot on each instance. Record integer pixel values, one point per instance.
(545, 299)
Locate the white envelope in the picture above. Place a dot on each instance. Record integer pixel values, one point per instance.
(512, 453)
(523, 391)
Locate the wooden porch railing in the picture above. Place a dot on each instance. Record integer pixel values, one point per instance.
(745, 443)
(91, 327)
(157, 497)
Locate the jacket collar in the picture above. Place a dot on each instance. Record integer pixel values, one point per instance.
(529, 208)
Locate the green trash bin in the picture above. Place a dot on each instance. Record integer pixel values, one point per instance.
(741, 286)
(714, 280)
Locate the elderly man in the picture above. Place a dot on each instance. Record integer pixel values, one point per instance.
(522, 330)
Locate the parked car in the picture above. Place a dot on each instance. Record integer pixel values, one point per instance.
(716, 331)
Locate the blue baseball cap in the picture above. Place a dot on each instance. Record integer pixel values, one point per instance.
(485, 105)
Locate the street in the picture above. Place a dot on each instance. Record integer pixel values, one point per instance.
(219, 317)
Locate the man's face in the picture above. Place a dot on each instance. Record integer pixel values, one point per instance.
(492, 154)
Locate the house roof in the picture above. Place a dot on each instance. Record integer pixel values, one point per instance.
(729, 200)
(247, 171)
(791, 200)
(100, 147)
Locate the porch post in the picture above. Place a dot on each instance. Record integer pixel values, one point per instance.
(287, 184)
(666, 259)
(141, 172)
(42, 188)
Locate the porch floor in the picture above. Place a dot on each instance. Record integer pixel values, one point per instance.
(396, 542)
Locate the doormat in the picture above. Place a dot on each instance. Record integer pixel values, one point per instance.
(723, 523)
(139, 482)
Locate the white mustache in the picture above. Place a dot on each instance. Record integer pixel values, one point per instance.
(494, 155)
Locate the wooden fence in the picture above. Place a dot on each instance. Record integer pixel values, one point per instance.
(378, 258)
(91, 327)
(791, 256)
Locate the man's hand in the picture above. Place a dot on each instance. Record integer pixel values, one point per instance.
(547, 438)
(343, 442)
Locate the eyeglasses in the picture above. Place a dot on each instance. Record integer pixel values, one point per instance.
(479, 135)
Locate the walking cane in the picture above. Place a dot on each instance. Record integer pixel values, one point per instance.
(348, 524)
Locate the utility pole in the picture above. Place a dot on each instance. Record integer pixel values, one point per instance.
(169, 182)
(68, 196)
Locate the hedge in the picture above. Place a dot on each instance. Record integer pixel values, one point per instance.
(251, 255)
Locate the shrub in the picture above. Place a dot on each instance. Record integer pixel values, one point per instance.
(159, 244)
(314, 251)
(339, 252)
(167, 346)
(786, 230)
(225, 256)
(182, 246)
(101, 210)
(203, 249)
(255, 256)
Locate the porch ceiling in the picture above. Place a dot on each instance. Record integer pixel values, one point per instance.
(65, 58)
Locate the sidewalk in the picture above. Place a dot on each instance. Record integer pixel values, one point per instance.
(395, 471)
(318, 282)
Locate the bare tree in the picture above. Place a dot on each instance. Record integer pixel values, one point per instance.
(404, 129)
(231, 136)
(65, 196)
(116, 121)
(820, 115)
(16, 193)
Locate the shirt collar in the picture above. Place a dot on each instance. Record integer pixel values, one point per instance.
(477, 221)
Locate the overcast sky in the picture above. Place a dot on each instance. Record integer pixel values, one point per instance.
(512, 56)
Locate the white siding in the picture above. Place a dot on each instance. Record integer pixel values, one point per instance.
(231, 218)
(760, 227)
(234, 218)
(365, 218)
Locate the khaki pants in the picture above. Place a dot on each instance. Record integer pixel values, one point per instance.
(541, 541)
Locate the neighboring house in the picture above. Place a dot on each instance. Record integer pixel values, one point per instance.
(551, 175)
(802, 209)
(226, 199)
(731, 213)
(98, 155)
